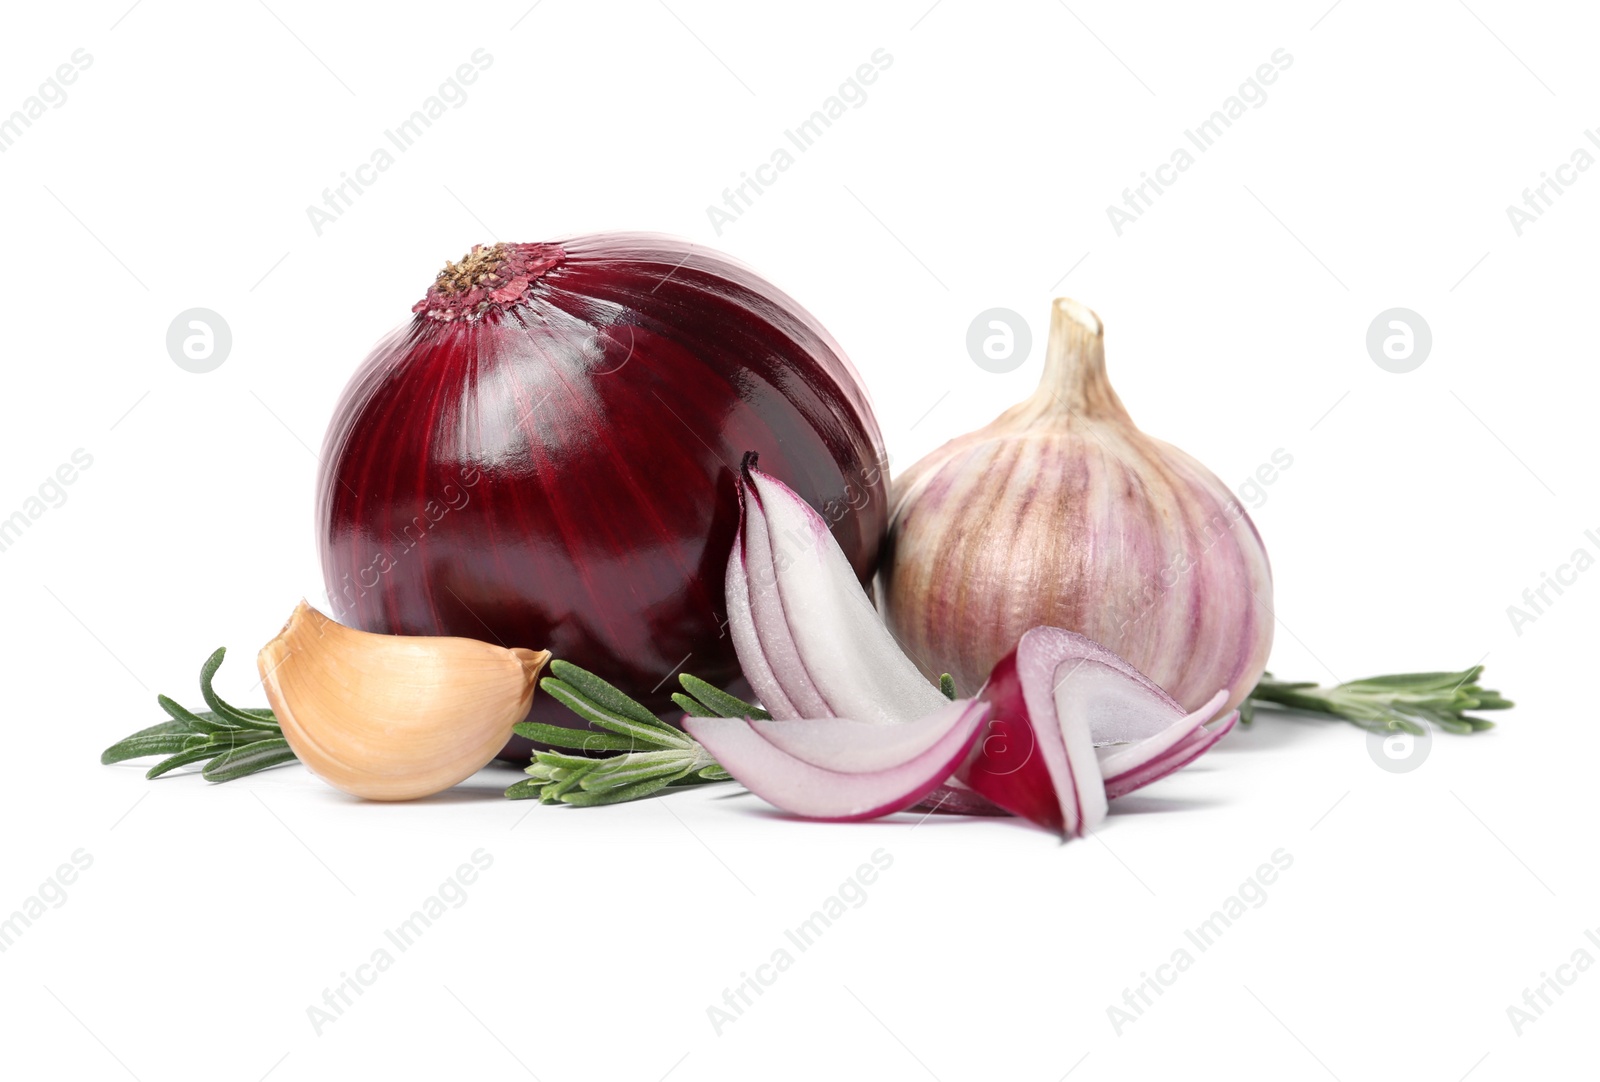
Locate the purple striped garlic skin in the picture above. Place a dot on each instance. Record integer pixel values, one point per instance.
(1062, 513)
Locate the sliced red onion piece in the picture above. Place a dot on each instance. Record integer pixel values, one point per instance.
(746, 644)
(856, 747)
(1120, 759)
(815, 792)
(1055, 696)
(1173, 761)
(839, 641)
(1045, 658)
(1006, 766)
(1144, 711)
(1073, 722)
(1121, 704)
(769, 624)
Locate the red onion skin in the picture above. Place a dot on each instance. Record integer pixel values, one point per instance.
(559, 472)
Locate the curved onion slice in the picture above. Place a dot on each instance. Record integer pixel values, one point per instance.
(746, 643)
(1134, 724)
(811, 617)
(1177, 759)
(1062, 693)
(1037, 761)
(1122, 759)
(868, 790)
(855, 747)
(1145, 710)
(773, 629)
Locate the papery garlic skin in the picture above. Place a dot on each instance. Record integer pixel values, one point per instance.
(393, 717)
(1061, 512)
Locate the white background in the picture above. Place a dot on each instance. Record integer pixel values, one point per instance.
(977, 174)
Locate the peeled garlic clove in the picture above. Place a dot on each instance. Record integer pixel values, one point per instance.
(1061, 513)
(393, 717)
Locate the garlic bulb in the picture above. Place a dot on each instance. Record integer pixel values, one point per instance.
(1060, 512)
(393, 717)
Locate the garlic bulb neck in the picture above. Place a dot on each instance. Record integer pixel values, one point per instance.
(1074, 384)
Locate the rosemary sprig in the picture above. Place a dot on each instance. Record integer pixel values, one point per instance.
(651, 755)
(1400, 703)
(236, 741)
(654, 755)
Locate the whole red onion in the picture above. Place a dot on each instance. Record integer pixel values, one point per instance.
(547, 455)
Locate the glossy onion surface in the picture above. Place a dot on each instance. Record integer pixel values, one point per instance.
(546, 456)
